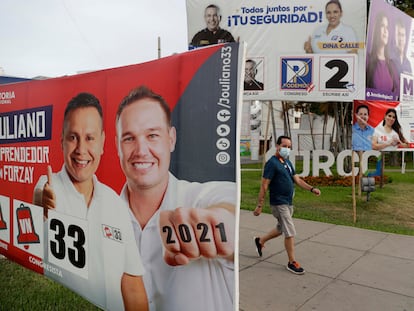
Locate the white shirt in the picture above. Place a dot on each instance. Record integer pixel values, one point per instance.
(384, 137)
(336, 41)
(108, 258)
(203, 284)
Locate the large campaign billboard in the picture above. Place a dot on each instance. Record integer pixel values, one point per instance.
(390, 51)
(302, 50)
(123, 185)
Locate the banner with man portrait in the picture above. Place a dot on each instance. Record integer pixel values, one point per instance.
(170, 125)
(302, 50)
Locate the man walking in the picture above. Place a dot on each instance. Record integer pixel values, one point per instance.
(279, 177)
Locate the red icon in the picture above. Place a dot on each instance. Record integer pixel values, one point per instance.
(3, 224)
(108, 232)
(27, 232)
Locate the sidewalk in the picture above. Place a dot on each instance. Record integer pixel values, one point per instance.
(346, 269)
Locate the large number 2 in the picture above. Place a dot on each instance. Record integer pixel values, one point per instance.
(335, 81)
(76, 255)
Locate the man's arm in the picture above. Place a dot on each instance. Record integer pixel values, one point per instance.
(304, 185)
(133, 293)
(44, 195)
(262, 195)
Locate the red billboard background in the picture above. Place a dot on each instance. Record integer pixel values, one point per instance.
(190, 82)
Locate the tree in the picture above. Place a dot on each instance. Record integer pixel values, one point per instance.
(404, 5)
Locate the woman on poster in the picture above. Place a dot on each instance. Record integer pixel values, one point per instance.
(334, 37)
(381, 70)
(388, 135)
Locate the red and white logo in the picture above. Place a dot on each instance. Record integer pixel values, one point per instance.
(107, 232)
(3, 224)
(112, 233)
(27, 233)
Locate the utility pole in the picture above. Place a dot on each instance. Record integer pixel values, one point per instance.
(159, 47)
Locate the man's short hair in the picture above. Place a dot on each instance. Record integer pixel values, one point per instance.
(213, 6)
(253, 62)
(279, 139)
(400, 23)
(362, 106)
(142, 92)
(83, 100)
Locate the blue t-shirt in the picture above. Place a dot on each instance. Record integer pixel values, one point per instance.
(362, 138)
(281, 185)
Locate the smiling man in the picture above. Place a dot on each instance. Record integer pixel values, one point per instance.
(362, 132)
(184, 230)
(212, 34)
(103, 250)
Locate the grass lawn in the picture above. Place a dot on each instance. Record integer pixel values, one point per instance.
(22, 289)
(389, 209)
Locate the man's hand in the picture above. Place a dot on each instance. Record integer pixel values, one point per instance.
(365, 122)
(189, 233)
(258, 210)
(48, 196)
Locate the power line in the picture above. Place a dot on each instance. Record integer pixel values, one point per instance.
(81, 34)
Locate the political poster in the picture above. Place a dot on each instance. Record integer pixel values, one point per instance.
(382, 125)
(299, 50)
(100, 173)
(407, 107)
(390, 51)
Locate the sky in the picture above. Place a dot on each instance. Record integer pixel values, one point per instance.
(54, 38)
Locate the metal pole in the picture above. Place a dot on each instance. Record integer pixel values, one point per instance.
(273, 122)
(353, 187)
(159, 47)
(267, 131)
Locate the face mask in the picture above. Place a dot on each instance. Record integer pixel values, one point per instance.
(284, 152)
